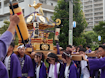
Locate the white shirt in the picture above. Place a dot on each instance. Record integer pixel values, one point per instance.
(66, 71)
(51, 70)
(37, 71)
(84, 69)
(6, 63)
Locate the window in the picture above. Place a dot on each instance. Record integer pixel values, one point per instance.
(5, 17)
(6, 3)
(21, 1)
(41, 1)
(51, 4)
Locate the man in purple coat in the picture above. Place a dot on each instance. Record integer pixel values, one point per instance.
(25, 62)
(95, 64)
(12, 63)
(88, 49)
(5, 41)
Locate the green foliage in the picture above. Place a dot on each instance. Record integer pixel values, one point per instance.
(93, 47)
(79, 41)
(78, 16)
(62, 12)
(91, 38)
(16, 40)
(5, 27)
(100, 30)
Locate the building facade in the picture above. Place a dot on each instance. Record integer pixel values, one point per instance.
(47, 6)
(94, 11)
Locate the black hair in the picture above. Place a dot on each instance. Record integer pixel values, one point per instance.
(40, 54)
(78, 47)
(102, 46)
(62, 50)
(66, 54)
(43, 57)
(69, 46)
(96, 49)
(82, 49)
(88, 46)
(52, 55)
(12, 44)
(73, 45)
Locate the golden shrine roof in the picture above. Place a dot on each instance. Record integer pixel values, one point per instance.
(43, 21)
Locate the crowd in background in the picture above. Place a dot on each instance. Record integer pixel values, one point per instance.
(22, 66)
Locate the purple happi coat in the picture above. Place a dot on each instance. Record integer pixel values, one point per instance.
(42, 72)
(61, 71)
(3, 71)
(93, 72)
(5, 41)
(27, 67)
(72, 71)
(78, 64)
(95, 64)
(88, 51)
(15, 68)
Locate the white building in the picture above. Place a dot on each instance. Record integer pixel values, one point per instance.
(47, 6)
(94, 12)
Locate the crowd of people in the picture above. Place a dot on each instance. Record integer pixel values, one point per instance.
(22, 66)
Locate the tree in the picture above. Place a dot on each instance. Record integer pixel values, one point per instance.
(4, 28)
(91, 38)
(62, 12)
(79, 17)
(80, 41)
(100, 30)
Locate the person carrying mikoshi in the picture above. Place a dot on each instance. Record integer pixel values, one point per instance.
(84, 64)
(95, 64)
(55, 69)
(12, 63)
(39, 68)
(70, 66)
(25, 62)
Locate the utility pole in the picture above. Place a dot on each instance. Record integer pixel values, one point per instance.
(70, 22)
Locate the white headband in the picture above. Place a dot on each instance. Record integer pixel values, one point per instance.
(21, 46)
(38, 54)
(69, 55)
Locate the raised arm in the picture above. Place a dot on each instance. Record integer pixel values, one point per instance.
(95, 64)
(7, 36)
